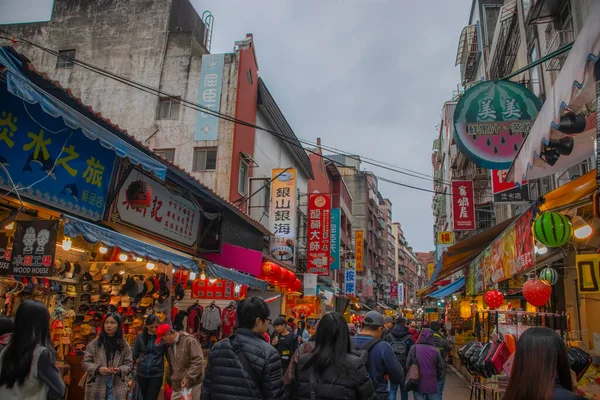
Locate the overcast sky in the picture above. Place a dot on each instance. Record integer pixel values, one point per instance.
(366, 76)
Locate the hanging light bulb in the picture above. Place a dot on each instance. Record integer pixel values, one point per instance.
(192, 276)
(122, 272)
(581, 229)
(66, 244)
(203, 275)
(540, 250)
(212, 280)
(123, 257)
(103, 250)
(139, 259)
(237, 288)
(150, 266)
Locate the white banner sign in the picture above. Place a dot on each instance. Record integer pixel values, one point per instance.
(349, 277)
(310, 284)
(169, 215)
(401, 294)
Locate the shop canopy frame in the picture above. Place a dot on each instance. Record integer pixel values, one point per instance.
(449, 290)
(95, 234)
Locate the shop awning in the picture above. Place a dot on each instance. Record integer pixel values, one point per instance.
(571, 193)
(235, 276)
(448, 290)
(92, 233)
(21, 86)
(464, 252)
(573, 89)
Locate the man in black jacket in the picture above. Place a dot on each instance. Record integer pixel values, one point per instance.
(445, 348)
(245, 366)
(401, 342)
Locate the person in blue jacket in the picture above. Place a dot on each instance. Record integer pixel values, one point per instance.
(382, 362)
(151, 366)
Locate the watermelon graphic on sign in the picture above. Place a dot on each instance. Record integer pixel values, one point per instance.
(492, 120)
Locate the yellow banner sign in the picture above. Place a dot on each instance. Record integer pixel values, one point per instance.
(588, 273)
(445, 237)
(430, 269)
(359, 249)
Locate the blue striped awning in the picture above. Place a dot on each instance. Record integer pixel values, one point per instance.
(448, 290)
(236, 276)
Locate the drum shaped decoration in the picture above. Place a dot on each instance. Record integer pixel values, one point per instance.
(552, 229)
(549, 275)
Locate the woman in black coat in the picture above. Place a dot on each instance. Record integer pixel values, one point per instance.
(332, 370)
(151, 366)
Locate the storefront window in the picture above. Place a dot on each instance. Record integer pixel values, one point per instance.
(536, 72)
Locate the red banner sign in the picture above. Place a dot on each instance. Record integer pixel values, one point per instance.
(319, 219)
(508, 192)
(394, 290)
(217, 289)
(463, 206)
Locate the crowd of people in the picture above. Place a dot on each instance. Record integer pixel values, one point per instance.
(386, 358)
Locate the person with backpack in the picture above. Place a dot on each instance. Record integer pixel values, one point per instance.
(432, 367)
(244, 366)
(443, 345)
(382, 364)
(333, 371)
(401, 341)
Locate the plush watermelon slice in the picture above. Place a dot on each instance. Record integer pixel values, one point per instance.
(492, 120)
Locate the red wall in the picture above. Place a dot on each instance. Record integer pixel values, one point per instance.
(321, 183)
(245, 110)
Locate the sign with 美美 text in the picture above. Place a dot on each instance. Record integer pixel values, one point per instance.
(349, 277)
(463, 206)
(169, 215)
(335, 239)
(282, 214)
(359, 249)
(51, 163)
(34, 247)
(209, 96)
(492, 120)
(319, 220)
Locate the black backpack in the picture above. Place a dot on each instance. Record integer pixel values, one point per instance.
(400, 347)
(366, 350)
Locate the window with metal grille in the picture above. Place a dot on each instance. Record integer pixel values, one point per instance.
(205, 158)
(65, 58)
(168, 154)
(249, 76)
(243, 178)
(169, 108)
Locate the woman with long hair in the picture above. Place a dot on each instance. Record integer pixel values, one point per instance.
(151, 360)
(541, 368)
(107, 362)
(332, 370)
(27, 369)
(7, 325)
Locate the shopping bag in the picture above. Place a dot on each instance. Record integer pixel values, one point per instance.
(186, 394)
(411, 383)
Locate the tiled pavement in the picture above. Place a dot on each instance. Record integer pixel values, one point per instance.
(456, 387)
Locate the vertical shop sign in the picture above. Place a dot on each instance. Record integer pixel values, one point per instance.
(349, 277)
(508, 192)
(211, 81)
(588, 273)
(394, 290)
(430, 269)
(368, 289)
(359, 250)
(33, 249)
(310, 285)
(445, 237)
(401, 294)
(335, 238)
(282, 215)
(319, 219)
(463, 206)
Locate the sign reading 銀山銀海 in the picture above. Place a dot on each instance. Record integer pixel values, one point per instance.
(492, 120)
(282, 214)
(51, 163)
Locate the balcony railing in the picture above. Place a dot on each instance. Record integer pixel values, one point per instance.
(557, 40)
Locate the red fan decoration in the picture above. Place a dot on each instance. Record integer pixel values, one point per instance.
(494, 299)
(537, 292)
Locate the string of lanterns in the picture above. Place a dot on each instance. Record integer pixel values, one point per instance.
(278, 276)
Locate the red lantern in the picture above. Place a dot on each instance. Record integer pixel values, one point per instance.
(537, 292)
(290, 278)
(297, 285)
(494, 299)
(139, 195)
(271, 271)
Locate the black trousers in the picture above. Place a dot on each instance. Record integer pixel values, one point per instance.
(149, 387)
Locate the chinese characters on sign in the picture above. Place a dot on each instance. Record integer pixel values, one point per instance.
(169, 215)
(219, 289)
(393, 290)
(508, 192)
(359, 248)
(349, 277)
(335, 238)
(445, 238)
(401, 301)
(33, 249)
(319, 219)
(463, 207)
(211, 82)
(64, 170)
(282, 215)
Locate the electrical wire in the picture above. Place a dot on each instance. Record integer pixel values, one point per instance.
(210, 112)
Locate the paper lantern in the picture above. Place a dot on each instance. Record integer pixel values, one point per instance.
(297, 285)
(549, 275)
(537, 292)
(271, 271)
(290, 278)
(465, 309)
(494, 299)
(139, 195)
(552, 229)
